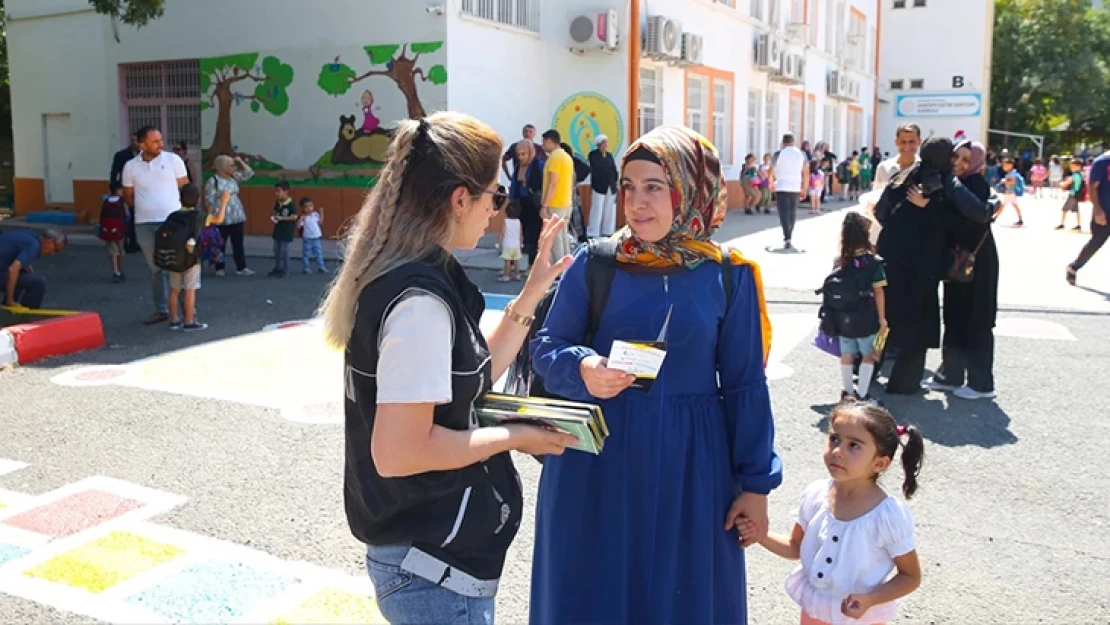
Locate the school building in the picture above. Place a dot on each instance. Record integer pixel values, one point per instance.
(310, 91)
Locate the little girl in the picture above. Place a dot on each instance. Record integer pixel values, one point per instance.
(512, 239)
(816, 186)
(765, 184)
(850, 535)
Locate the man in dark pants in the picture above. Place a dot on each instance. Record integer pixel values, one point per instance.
(1099, 194)
(18, 250)
(791, 174)
(116, 176)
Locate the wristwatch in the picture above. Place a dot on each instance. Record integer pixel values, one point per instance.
(518, 318)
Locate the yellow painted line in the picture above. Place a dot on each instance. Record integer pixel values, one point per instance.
(39, 312)
(103, 563)
(332, 605)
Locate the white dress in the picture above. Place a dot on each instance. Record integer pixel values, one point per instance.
(839, 558)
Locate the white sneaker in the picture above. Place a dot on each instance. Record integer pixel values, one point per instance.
(966, 392)
(933, 385)
(245, 272)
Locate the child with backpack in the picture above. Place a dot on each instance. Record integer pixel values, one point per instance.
(1012, 187)
(113, 227)
(177, 244)
(1075, 186)
(854, 305)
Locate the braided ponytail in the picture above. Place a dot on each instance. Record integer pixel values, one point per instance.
(408, 215)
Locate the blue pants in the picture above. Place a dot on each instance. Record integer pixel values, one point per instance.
(159, 280)
(405, 599)
(281, 256)
(313, 249)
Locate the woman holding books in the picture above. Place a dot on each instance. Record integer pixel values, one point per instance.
(645, 532)
(436, 498)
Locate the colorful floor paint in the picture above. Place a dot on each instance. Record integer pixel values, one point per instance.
(89, 548)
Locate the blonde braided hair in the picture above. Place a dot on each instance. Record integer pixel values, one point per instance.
(408, 215)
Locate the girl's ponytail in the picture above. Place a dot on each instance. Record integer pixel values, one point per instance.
(913, 454)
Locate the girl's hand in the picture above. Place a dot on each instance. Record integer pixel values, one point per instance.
(601, 381)
(752, 508)
(916, 198)
(539, 441)
(854, 606)
(544, 272)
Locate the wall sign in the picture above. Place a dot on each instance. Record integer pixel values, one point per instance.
(583, 116)
(939, 105)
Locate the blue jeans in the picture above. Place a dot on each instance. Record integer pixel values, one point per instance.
(281, 256)
(405, 599)
(313, 249)
(159, 280)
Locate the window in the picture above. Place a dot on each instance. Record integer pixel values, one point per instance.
(722, 119)
(797, 11)
(709, 107)
(811, 120)
(831, 131)
(919, 3)
(165, 95)
(697, 103)
(899, 4)
(917, 83)
(651, 98)
(830, 27)
(840, 28)
(812, 19)
(756, 10)
(725, 2)
(896, 85)
(794, 118)
(755, 101)
(857, 38)
(519, 13)
(771, 122)
(855, 129)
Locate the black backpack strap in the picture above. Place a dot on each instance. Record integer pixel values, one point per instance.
(601, 266)
(726, 275)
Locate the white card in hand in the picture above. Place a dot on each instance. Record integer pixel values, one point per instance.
(642, 359)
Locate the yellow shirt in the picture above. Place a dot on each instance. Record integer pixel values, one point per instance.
(563, 165)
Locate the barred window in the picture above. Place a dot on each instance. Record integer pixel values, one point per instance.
(651, 98)
(165, 95)
(519, 13)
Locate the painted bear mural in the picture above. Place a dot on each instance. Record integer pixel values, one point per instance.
(356, 146)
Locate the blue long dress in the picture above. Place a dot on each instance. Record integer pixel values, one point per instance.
(636, 534)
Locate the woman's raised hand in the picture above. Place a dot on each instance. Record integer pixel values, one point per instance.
(916, 197)
(544, 272)
(601, 381)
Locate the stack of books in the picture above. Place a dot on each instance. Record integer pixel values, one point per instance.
(582, 421)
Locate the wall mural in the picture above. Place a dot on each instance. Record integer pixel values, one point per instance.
(347, 116)
(585, 115)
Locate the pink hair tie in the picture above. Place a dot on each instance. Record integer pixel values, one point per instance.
(901, 430)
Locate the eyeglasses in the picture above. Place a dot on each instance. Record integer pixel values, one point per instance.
(500, 197)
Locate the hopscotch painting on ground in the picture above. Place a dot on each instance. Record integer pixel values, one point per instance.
(90, 548)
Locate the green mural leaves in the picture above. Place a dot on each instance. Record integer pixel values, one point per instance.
(204, 106)
(336, 78)
(426, 47)
(272, 96)
(281, 74)
(232, 65)
(382, 53)
(230, 81)
(437, 75)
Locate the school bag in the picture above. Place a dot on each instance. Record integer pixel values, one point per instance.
(113, 220)
(848, 300)
(171, 249)
(211, 246)
(601, 267)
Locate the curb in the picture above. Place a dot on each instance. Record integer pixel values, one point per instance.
(30, 342)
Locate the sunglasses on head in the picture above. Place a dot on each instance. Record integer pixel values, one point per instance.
(500, 197)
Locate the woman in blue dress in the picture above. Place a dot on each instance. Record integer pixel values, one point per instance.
(644, 532)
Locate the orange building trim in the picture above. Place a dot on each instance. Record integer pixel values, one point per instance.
(30, 195)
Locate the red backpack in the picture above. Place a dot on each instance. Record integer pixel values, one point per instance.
(113, 220)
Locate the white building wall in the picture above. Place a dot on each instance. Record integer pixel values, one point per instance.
(952, 76)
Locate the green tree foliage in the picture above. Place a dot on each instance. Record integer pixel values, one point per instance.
(391, 61)
(271, 81)
(135, 13)
(1049, 66)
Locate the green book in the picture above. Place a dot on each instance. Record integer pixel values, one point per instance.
(583, 421)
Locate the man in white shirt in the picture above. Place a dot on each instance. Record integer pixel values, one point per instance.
(152, 184)
(908, 140)
(791, 175)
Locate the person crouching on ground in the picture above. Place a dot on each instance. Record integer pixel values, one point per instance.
(18, 250)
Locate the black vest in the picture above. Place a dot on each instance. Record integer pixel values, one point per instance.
(465, 517)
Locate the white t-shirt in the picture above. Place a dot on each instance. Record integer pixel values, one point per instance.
(788, 170)
(311, 225)
(155, 183)
(511, 239)
(414, 351)
(839, 558)
(887, 170)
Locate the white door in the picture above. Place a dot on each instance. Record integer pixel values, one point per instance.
(59, 159)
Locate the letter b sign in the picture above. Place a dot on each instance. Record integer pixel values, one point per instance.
(957, 82)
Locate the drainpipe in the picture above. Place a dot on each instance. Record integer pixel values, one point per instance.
(633, 71)
(878, 53)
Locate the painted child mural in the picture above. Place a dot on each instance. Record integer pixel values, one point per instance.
(644, 532)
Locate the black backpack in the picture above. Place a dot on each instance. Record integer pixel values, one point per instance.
(171, 249)
(848, 301)
(601, 266)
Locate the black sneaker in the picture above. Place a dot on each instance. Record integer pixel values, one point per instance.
(747, 211)
(195, 326)
(117, 278)
(274, 272)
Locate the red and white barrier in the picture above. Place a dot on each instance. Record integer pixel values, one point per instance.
(58, 336)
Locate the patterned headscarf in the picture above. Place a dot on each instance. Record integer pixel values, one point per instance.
(700, 203)
(978, 156)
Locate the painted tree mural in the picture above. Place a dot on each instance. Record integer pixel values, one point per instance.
(220, 80)
(337, 78)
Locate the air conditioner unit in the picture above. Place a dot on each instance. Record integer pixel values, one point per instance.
(594, 30)
(800, 68)
(769, 53)
(662, 38)
(796, 30)
(833, 85)
(852, 89)
(692, 49)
